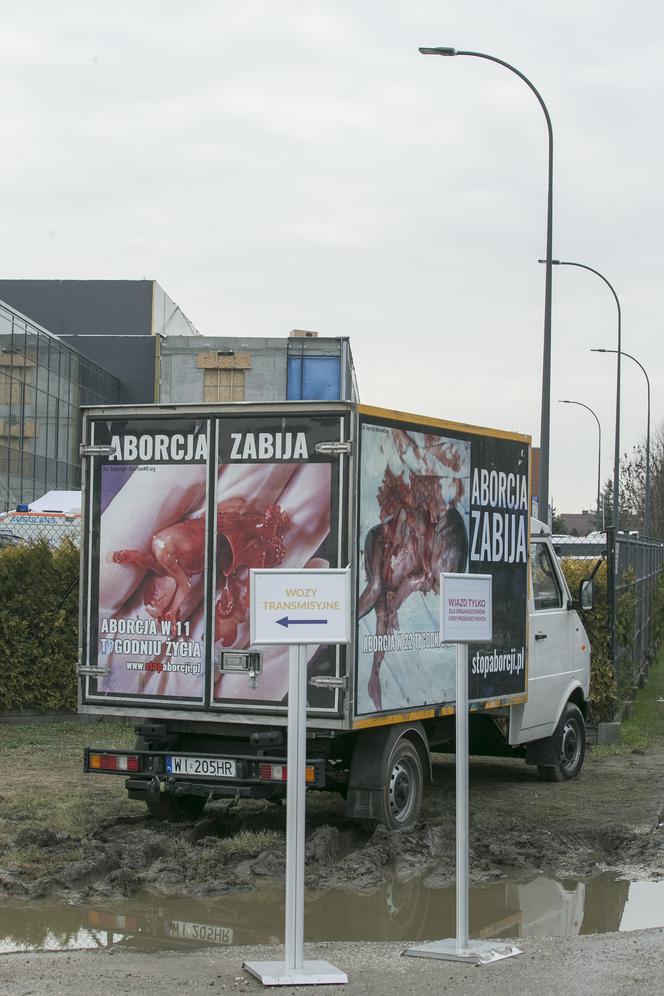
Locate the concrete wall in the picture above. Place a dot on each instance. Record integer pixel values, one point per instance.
(263, 364)
(181, 378)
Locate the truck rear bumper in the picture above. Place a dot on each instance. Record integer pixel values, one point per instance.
(142, 788)
(149, 771)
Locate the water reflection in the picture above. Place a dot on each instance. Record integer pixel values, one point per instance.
(398, 911)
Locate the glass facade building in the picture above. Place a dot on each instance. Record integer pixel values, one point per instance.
(43, 383)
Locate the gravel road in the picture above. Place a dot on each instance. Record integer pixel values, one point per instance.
(606, 964)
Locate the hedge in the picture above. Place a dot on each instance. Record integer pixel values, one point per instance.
(38, 627)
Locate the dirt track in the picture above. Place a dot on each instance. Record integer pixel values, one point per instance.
(609, 819)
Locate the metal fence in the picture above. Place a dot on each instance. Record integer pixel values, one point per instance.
(635, 567)
(18, 528)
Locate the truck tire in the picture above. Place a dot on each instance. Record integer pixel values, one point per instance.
(175, 809)
(403, 786)
(569, 746)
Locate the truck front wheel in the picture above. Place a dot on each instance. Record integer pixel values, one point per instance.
(569, 747)
(404, 783)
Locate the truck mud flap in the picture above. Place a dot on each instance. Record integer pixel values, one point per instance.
(541, 752)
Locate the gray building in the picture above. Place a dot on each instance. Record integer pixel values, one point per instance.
(43, 383)
(301, 366)
(117, 324)
(68, 343)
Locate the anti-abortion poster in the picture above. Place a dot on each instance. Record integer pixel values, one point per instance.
(436, 500)
(146, 623)
(277, 506)
(169, 583)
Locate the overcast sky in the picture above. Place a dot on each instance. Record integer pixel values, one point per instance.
(281, 164)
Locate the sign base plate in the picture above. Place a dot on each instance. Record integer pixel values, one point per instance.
(311, 973)
(477, 952)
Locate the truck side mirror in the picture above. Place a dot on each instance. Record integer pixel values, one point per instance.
(586, 596)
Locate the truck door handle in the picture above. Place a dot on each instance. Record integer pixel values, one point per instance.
(540, 636)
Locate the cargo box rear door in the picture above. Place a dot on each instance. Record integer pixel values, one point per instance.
(145, 556)
(280, 501)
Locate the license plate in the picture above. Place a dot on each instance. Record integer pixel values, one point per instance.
(212, 767)
(208, 932)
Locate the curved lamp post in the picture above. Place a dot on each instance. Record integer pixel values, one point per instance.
(545, 424)
(564, 401)
(616, 460)
(646, 497)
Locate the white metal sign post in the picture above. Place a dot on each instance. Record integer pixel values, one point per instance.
(466, 611)
(297, 607)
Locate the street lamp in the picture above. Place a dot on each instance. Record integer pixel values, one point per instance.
(564, 401)
(616, 460)
(646, 499)
(545, 424)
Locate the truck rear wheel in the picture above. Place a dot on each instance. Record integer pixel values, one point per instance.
(569, 746)
(404, 784)
(175, 808)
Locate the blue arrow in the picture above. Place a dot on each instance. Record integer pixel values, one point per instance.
(286, 622)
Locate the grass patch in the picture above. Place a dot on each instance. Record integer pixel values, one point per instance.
(59, 739)
(44, 786)
(242, 845)
(206, 857)
(645, 727)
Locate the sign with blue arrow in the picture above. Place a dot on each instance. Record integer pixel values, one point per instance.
(299, 606)
(301, 622)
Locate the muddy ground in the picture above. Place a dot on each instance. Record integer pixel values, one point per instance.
(608, 819)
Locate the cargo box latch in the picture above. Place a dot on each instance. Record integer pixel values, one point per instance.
(234, 662)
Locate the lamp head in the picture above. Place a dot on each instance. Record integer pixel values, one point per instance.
(599, 350)
(437, 51)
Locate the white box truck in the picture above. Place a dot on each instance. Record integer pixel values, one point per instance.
(180, 503)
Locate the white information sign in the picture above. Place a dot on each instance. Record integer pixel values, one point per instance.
(465, 617)
(299, 606)
(466, 608)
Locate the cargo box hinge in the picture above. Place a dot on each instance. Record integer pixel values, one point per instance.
(100, 449)
(327, 681)
(334, 448)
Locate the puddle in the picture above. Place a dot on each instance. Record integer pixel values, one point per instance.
(398, 911)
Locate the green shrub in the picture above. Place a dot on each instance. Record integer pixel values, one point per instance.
(603, 690)
(38, 627)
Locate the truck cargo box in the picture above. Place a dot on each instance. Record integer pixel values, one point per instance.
(180, 503)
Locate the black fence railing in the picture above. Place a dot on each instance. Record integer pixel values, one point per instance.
(635, 570)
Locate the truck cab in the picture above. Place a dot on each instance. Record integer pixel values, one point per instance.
(559, 666)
